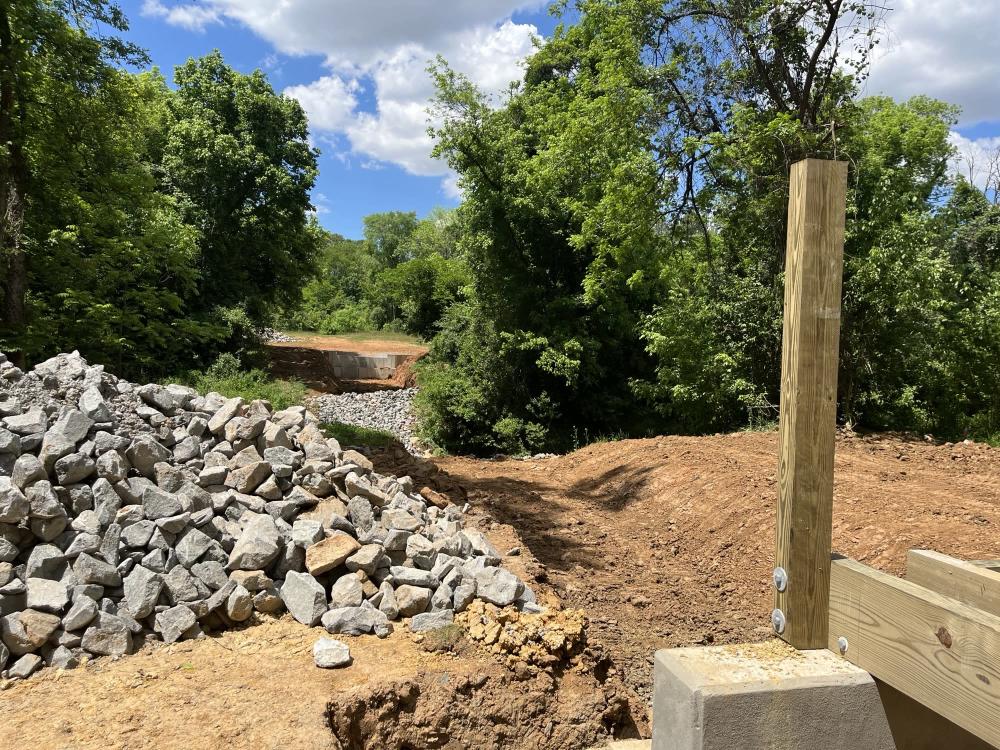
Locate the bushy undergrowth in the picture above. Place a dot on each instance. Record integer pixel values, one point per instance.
(227, 376)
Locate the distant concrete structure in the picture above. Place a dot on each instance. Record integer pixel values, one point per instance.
(358, 366)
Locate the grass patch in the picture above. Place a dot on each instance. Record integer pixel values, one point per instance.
(351, 434)
(228, 378)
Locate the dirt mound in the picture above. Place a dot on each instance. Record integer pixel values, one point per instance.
(670, 541)
(486, 711)
(305, 364)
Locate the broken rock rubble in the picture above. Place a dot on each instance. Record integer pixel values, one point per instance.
(131, 514)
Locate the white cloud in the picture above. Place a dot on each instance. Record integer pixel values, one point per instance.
(978, 160)
(451, 188)
(329, 101)
(943, 48)
(186, 15)
(381, 48)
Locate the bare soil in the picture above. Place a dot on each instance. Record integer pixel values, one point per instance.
(670, 541)
(660, 542)
(363, 346)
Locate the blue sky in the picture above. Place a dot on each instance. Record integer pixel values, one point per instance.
(358, 69)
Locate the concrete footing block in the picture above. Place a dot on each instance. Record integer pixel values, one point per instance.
(764, 696)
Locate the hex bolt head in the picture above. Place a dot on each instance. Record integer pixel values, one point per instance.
(778, 621)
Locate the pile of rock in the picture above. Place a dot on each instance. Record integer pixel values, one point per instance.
(131, 514)
(388, 410)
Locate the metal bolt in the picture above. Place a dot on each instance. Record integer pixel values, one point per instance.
(842, 645)
(780, 578)
(778, 621)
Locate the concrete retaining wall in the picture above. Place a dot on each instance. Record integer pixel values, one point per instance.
(356, 366)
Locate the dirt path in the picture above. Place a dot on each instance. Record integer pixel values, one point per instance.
(669, 541)
(341, 344)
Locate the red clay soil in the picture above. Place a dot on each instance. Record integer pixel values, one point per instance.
(338, 344)
(670, 541)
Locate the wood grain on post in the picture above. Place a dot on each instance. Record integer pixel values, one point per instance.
(810, 350)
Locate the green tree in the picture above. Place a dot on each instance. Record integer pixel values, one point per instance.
(38, 38)
(113, 264)
(237, 155)
(387, 234)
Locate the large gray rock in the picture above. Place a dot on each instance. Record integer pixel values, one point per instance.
(367, 559)
(93, 405)
(73, 467)
(31, 422)
(498, 586)
(239, 604)
(432, 621)
(63, 436)
(112, 466)
(346, 592)
(142, 590)
(191, 546)
(356, 621)
(47, 596)
(81, 614)
(144, 453)
(172, 623)
(257, 546)
(63, 658)
(413, 577)
(108, 636)
(89, 569)
(304, 597)
(217, 424)
(14, 506)
(24, 667)
(388, 605)
(156, 503)
(27, 470)
(412, 600)
(160, 398)
(330, 654)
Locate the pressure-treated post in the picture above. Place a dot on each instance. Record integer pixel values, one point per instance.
(813, 269)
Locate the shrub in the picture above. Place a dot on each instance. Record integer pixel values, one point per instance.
(227, 376)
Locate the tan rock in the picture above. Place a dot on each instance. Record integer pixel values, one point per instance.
(330, 553)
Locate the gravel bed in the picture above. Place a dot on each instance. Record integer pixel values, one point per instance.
(390, 411)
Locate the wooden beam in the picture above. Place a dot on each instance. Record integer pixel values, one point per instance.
(810, 349)
(939, 651)
(975, 585)
(991, 564)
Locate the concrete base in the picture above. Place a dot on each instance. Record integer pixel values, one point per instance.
(764, 696)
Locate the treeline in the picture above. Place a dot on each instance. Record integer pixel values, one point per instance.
(401, 277)
(623, 225)
(150, 227)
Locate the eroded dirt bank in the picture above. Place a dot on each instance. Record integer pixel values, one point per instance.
(669, 541)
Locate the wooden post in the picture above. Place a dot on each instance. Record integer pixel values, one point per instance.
(810, 349)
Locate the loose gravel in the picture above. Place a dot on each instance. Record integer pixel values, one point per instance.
(390, 411)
